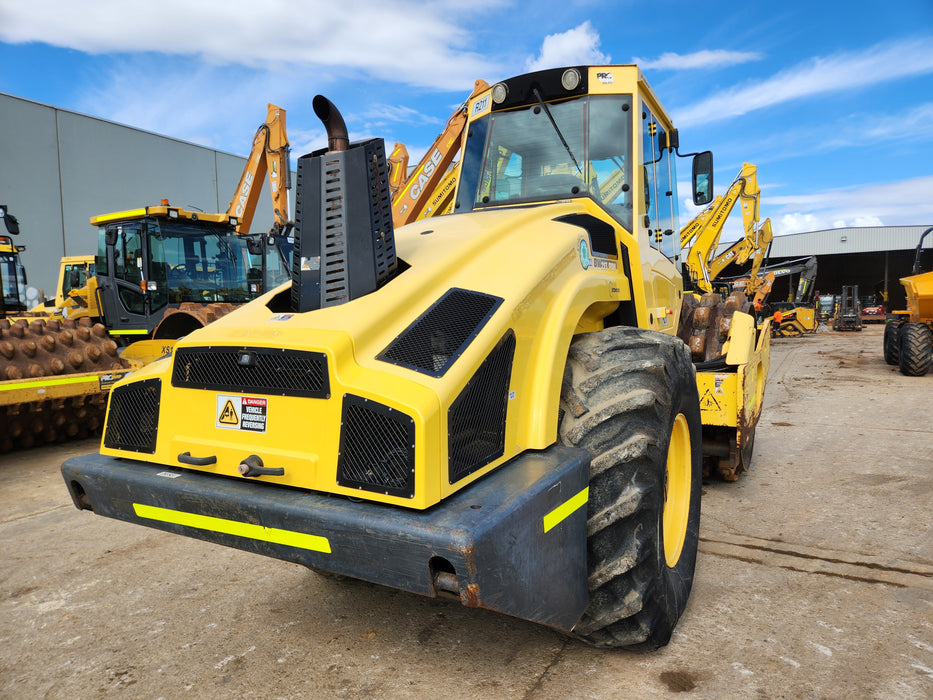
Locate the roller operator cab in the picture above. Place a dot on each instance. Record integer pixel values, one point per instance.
(493, 403)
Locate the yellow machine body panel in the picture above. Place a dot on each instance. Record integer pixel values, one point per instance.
(557, 291)
(554, 262)
(919, 290)
(732, 398)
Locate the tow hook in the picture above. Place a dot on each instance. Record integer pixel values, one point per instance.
(252, 466)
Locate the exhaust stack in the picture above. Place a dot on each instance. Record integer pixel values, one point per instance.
(344, 239)
(337, 138)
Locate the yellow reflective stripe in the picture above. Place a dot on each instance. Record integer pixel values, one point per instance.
(48, 381)
(138, 331)
(232, 527)
(559, 514)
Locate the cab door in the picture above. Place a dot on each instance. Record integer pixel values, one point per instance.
(121, 285)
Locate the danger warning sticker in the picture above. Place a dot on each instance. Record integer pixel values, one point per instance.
(236, 412)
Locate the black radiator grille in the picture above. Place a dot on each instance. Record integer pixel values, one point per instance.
(133, 421)
(274, 371)
(440, 335)
(476, 420)
(377, 448)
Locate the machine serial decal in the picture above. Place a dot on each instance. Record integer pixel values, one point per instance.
(301, 540)
(604, 264)
(242, 412)
(565, 509)
(479, 106)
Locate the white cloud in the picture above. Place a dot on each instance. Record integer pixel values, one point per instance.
(380, 114)
(576, 46)
(878, 204)
(699, 59)
(405, 41)
(880, 63)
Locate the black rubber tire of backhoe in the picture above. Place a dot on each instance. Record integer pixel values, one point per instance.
(916, 349)
(892, 348)
(623, 389)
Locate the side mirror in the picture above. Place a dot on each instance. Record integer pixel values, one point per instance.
(110, 236)
(703, 178)
(12, 225)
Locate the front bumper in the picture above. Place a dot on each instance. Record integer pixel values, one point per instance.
(513, 542)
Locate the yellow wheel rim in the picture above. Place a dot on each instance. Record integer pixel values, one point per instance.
(677, 491)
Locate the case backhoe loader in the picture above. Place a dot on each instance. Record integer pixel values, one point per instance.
(494, 404)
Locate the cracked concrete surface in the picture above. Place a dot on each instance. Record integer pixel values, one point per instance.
(814, 579)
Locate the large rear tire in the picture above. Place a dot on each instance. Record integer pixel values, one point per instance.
(916, 349)
(630, 398)
(892, 348)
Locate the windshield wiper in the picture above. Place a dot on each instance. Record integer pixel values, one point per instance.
(557, 129)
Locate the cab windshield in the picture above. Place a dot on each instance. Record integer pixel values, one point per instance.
(577, 147)
(197, 262)
(14, 297)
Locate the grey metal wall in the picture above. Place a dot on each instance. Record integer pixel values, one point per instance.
(840, 241)
(58, 168)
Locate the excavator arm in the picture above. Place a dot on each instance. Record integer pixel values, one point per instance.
(270, 154)
(411, 194)
(703, 232)
(754, 245)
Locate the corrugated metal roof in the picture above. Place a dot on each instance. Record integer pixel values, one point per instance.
(837, 241)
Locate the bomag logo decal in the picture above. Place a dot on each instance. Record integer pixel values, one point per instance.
(242, 412)
(584, 255)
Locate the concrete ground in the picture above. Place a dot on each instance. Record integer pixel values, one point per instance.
(814, 579)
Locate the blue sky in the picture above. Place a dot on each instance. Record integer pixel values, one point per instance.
(833, 101)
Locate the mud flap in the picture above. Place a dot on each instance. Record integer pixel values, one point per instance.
(513, 542)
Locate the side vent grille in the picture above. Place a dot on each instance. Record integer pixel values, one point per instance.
(440, 335)
(279, 372)
(476, 419)
(334, 272)
(133, 421)
(377, 448)
(602, 234)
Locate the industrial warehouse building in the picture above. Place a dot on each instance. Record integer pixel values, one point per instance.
(61, 168)
(873, 257)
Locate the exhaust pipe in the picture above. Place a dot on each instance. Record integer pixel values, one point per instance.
(344, 238)
(337, 138)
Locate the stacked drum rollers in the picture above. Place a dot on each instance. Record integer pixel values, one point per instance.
(33, 349)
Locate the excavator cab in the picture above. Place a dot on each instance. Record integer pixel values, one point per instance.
(12, 273)
(154, 259)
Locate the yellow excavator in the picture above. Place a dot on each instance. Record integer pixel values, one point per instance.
(496, 404)
(701, 235)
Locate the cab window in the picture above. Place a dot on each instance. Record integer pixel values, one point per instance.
(661, 220)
